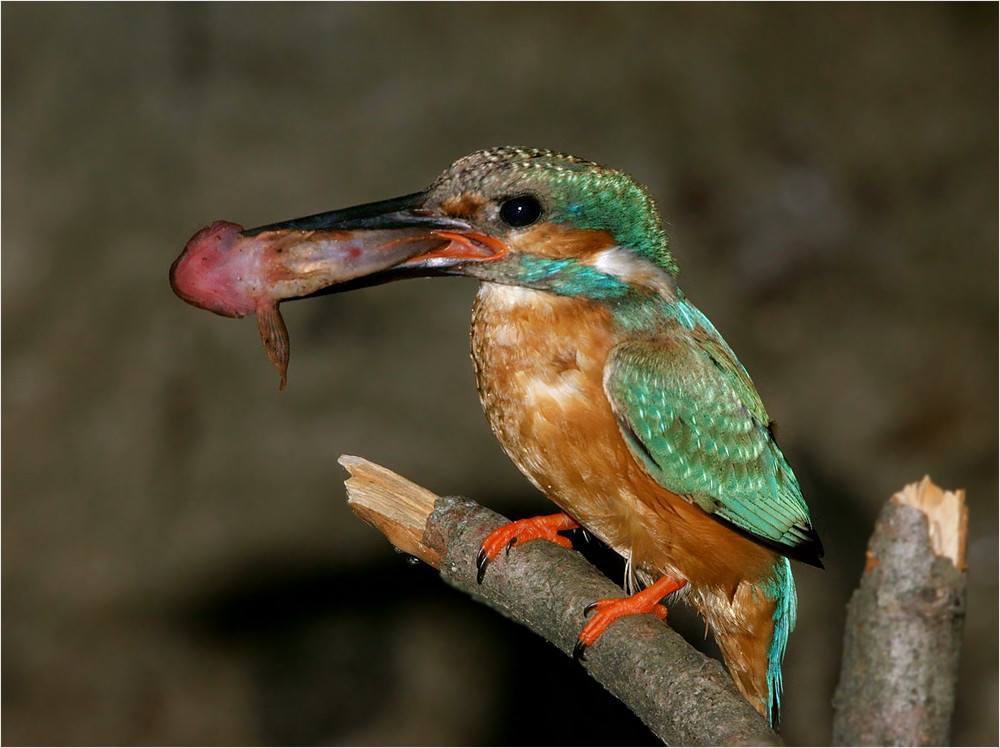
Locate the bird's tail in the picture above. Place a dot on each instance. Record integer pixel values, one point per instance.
(785, 604)
(753, 634)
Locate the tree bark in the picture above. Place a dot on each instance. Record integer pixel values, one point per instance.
(684, 697)
(904, 624)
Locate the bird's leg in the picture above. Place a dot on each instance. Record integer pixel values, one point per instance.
(521, 531)
(609, 610)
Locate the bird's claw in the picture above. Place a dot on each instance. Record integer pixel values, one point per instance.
(580, 651)
(482, 561)
(521, 531)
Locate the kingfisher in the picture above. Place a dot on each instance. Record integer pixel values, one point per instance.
(613, 394)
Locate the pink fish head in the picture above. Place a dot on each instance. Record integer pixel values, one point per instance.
(214, 271)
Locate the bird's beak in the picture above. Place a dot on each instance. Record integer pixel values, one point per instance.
(234, 272)
(387, 225)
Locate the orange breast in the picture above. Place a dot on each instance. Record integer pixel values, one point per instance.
(539, 362)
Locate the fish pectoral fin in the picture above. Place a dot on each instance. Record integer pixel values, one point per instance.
(274, 336)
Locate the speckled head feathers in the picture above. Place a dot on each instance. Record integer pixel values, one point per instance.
(572, 191)
(482, 163)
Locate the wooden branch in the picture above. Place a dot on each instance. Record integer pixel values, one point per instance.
(904, 624)
(683, 696)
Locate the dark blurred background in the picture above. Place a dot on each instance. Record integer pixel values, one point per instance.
(179, 563)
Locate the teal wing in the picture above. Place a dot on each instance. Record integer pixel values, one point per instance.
(692, 417)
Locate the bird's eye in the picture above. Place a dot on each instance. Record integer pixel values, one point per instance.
(519, 211)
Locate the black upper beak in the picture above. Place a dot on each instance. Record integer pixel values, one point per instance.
(407, 211)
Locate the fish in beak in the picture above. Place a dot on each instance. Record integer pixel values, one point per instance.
(234, 271)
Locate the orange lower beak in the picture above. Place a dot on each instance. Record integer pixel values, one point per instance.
(464, 246)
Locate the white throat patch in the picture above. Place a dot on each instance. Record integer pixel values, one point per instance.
(636, 271)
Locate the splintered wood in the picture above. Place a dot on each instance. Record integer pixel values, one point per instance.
(947, 517)
(398, 508)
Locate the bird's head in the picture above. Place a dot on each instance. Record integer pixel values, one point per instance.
(564, 223)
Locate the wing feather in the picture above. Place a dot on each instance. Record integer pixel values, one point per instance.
(692, 417)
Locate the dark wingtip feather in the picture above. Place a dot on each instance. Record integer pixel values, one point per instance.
(808, 551)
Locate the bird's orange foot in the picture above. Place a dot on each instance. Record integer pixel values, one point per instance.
(514, 534)
(610, 610)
